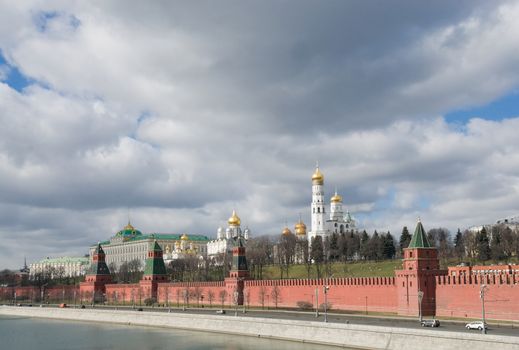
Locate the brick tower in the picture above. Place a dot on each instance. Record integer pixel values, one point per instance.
(417, 277)
(97, 277)
(154, 272)
(239, 271)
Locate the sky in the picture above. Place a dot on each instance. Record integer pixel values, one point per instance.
(175, 113)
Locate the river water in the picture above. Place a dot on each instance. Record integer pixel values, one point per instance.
(42, 334)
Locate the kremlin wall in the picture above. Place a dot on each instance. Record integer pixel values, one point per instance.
(446, 293)
(420, 286)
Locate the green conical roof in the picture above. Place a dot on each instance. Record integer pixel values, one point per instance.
(419, 239)
(155, 265)
(98, 267)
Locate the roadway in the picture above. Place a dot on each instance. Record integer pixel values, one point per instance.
(507, 329)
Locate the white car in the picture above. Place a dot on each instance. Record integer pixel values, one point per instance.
(479, 325)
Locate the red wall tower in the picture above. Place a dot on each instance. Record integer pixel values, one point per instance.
(417, 278)
(93, 289)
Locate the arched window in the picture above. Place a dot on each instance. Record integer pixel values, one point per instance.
(342, 228)
(318, 210)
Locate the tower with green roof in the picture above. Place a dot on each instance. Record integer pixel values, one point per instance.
(154, 271)
(94, 287)
(416, 281)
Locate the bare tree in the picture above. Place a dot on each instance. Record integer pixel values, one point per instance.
(262, 293)
(210, 297)
(276, 295)
(223, 296)
(286, 252)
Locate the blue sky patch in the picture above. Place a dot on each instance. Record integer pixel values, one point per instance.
(15, 79)
(505, 107)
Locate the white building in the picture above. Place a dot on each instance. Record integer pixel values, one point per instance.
(224, 240)
(131, 244)
(61, 267)
(325, 223)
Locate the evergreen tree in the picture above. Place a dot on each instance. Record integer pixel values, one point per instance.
(405, 238)
(459, 245)
(364, 240)
(317, 253)
(334, 247)
(375, 247)
(388, 246)
(483, 245)
(343, 247)
(496, 246)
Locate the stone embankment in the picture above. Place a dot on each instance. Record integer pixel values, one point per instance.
(335, 334)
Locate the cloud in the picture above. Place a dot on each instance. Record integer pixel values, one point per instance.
(182, 112)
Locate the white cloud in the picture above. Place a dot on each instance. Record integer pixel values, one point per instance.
(182, 113)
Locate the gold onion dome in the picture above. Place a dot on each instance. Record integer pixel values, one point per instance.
(129, 227)
(300, 228)
(234, 220)
(184, 237)
(286, 231)
(336, 198)
(317, 177)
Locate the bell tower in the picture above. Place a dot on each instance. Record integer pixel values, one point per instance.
(318, 213)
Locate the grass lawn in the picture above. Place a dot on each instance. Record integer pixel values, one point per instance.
(349, 269)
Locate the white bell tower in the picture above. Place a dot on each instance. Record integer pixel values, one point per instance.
(318, 213)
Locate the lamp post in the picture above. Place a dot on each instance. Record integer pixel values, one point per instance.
(115, 295)
(316, 302)
(420, 298)
(325, 289)
(236, 303)
(74, 298)
(14, 297)
(133, 299)
(482, 290)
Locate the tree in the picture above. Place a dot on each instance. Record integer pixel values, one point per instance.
(334, 247)
(374, 247)
(483, 246)
(317, 253)
(286, 252)
(459, 245)
(210, 297)
(223, 295)
(262, 293)
(405, 239)
(496, 246)
(343, 247)
(389, 250)
(364, 247)
(276, 295)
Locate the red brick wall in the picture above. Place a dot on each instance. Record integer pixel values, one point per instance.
(377, 294)
(459, 296)
(196, 293)
(124, 293)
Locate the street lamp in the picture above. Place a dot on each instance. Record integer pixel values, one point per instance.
(14, 297)
(236, 303)
(420, 298)
(316, 302)
(115, 299)
(325, 289)
(482, 291)
(74, 298)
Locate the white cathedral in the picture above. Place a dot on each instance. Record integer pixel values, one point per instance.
(224, 241)
(324, 224)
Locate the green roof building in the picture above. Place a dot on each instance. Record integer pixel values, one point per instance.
(131, 244)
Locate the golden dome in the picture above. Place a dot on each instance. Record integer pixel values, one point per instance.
(300, 228)
(317, 177)
(336, 198)
(286, 231)
(234, 220)
(184, 237)
(129, 227)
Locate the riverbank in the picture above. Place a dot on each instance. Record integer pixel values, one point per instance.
(335, 334)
